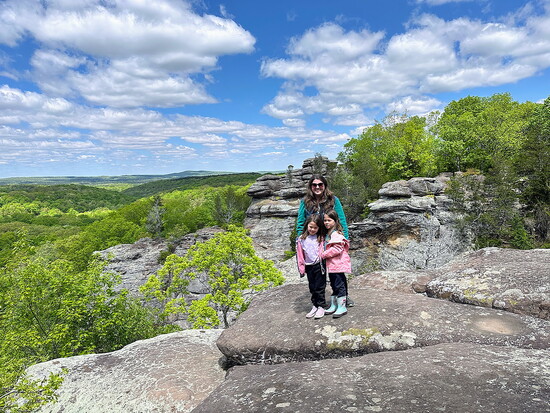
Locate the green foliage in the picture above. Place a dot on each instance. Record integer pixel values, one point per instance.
(18, 392)
(489, 208)
(398, 148)
(231, 270)
(181, 184)
(49, 308)
(534, 165)
(110, 231)
(230, 205)
(475, 131)
(63, 198)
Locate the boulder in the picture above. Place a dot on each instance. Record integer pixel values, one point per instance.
(136, 262)
(274, 329)
(502, 278)
(160, 374)
(453, 377)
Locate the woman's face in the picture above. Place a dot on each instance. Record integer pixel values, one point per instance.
(318, 188)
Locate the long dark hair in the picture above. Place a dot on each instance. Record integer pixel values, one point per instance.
(332, 214)
(326, 203)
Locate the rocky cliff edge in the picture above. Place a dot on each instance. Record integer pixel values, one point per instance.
(395, 351)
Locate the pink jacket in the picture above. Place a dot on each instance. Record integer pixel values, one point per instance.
(336, 254)
(300, 256)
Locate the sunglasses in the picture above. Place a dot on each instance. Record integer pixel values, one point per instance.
(318, 185)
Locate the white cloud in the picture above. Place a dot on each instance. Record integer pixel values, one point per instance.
(123, 53)
(356, 70)
(414, 105)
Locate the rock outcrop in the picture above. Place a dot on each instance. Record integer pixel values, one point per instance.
(395, 350)
(169, 373)
(272, 213)
(409, 227)
(380, 321)
(453, 377)
(136, 262)
(505, 279)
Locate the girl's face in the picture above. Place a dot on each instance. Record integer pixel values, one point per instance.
(312, 228)
(329, 222)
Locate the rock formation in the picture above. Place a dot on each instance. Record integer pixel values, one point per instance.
(169, 373)
(409, 227)
(396, 350)
(466, 332)
(136, 262)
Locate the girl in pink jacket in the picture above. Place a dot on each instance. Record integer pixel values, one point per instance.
(309, 247)
(338, 263)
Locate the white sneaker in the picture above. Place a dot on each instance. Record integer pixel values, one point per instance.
(320, 313)
(312, 312)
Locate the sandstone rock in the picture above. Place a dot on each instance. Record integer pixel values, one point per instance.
(404, 281)
(274, 328)
(508, 279)
(168, 373)
(136, 262)
(448, 377)
(398, 189)
(409, 227)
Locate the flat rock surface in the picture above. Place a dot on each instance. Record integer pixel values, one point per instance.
(513, 280)
(168, 373)
(274, 328)
(453, 377)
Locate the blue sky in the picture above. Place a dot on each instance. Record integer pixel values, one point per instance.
(113, 87)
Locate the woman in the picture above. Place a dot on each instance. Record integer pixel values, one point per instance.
(317, 200)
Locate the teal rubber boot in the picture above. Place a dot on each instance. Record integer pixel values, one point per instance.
(333, 305)
(341, 310)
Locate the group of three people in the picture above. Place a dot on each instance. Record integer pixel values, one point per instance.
(322, 246)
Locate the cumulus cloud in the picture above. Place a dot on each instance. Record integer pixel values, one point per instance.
(350, 71)
(123, 53)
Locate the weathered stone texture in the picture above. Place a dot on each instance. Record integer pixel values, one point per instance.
(508, 279)
(169, 373)
(136, 262)
(444, 378)
(274, 328)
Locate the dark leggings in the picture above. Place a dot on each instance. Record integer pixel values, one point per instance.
(338, 284)
(317, 283)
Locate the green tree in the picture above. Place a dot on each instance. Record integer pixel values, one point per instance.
(49, 309)
(154, 222)
(400, 147)
(475, 131)
(534, 165)
(230, 204)
(229, 267)
(489, 208)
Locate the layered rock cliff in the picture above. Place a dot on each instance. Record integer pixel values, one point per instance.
(409, 227)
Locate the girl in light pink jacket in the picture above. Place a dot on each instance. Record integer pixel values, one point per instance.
(338, 263)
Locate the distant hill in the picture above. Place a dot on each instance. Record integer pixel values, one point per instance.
(190, 182)
(103, 180)
(64, 197)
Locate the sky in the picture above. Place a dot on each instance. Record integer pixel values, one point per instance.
(118, 87)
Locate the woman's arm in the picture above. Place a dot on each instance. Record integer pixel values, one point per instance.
(301, 219)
